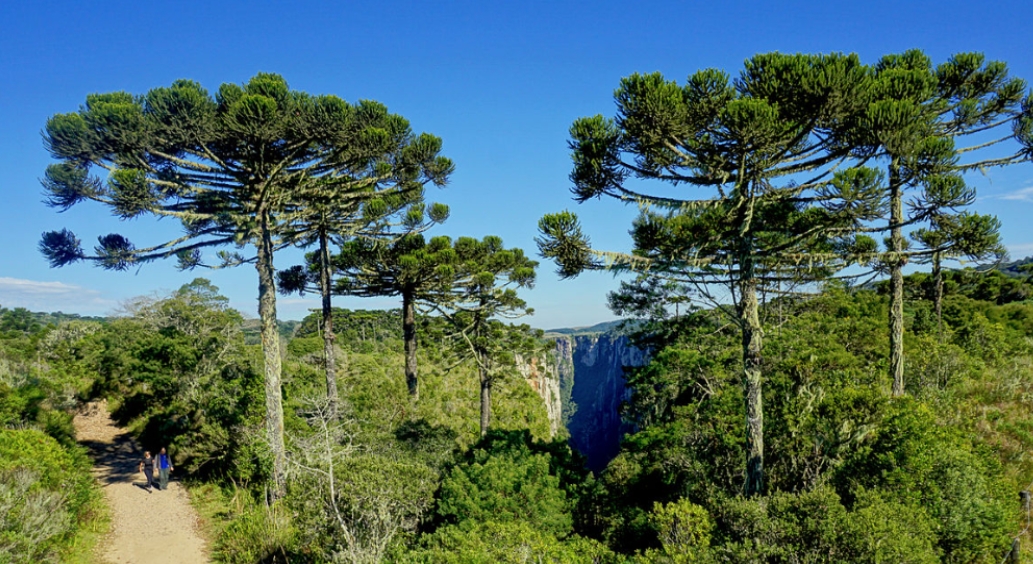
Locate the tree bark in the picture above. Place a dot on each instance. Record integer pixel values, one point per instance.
(896, 263)
(328, 323)
(485, 397)
(271, 353)
(752, 334)
(938, 295)
(409, 338)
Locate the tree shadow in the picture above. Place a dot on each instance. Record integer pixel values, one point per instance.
(118, 461)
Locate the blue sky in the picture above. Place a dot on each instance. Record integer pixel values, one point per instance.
(499, 82)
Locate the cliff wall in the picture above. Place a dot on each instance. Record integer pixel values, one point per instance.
(591, 366)
(542, 376)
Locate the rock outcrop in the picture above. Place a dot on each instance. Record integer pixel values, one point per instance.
(544, 379)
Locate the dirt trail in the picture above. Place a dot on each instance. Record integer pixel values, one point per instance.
(146, 528)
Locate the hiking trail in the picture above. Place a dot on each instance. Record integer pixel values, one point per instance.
(160, 527)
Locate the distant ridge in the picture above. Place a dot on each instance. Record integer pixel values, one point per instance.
(604, 327)
(1012, 268)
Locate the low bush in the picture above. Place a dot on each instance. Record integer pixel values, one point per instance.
(47, 494)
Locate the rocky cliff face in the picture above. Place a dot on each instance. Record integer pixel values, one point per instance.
(591, 367)
(544, 379)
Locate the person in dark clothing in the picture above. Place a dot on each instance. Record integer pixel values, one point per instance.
(164, 466)
(147, 467)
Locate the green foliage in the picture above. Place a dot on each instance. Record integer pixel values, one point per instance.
(258, 534)
(370, 382)
(883, 530)
(30, 406)
(358, 330)
(511, 542)
(993, 286)
(814, 526)
(684, 529)
(376, 502)
(391, 454)
(47, 494)
(923, 480)
(183, 378)
(506, 477)
(913, 459)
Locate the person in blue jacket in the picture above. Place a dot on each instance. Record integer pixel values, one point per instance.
(163, 464)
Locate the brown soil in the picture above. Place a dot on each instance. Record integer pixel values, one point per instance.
(158, 527)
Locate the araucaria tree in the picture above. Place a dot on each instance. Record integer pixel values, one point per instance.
(772, 204)
(474, 293)
(916, 117)
(395, 215)
(410, 267)
(240, 168)
(971, 236)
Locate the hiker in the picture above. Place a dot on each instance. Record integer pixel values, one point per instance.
(164, 465)
(147, 467)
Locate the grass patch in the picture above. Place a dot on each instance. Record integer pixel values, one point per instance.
(84, 547)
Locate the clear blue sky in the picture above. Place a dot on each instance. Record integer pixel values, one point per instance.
(500, 82)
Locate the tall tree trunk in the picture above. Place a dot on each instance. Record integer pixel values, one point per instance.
(409, 338)
(481, 355)
(328, 323)
(485, 394)
(752, 381)
(938, 295)
(896, 263)
(271, 353)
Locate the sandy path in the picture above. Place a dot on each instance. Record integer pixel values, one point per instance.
(146, 528)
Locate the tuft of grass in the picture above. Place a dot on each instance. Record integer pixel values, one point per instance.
(214, 507)
(84, 547)
(241, 530)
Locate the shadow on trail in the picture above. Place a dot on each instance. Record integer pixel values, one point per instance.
(118, 461)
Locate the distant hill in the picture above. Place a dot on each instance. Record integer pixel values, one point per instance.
(603, 327)
(1012, 268)
(252, 329)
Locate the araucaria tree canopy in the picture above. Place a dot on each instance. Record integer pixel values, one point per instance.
(243, 168)
(781, 196)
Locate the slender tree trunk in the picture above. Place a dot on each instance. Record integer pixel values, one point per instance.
(328, 323)
(896, 281)
(409, 338)
(271, 353)
(482, 368)
(752, 382)
(485, 394)
(938, 296)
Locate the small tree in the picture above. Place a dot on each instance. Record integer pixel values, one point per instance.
(474, 294)
(953, 237)
(240, 168)
(408, 267)
(366, 500)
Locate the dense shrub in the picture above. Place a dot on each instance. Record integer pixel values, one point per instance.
(853, 475)
(257, 534)
(508, 542)
(46, 493)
